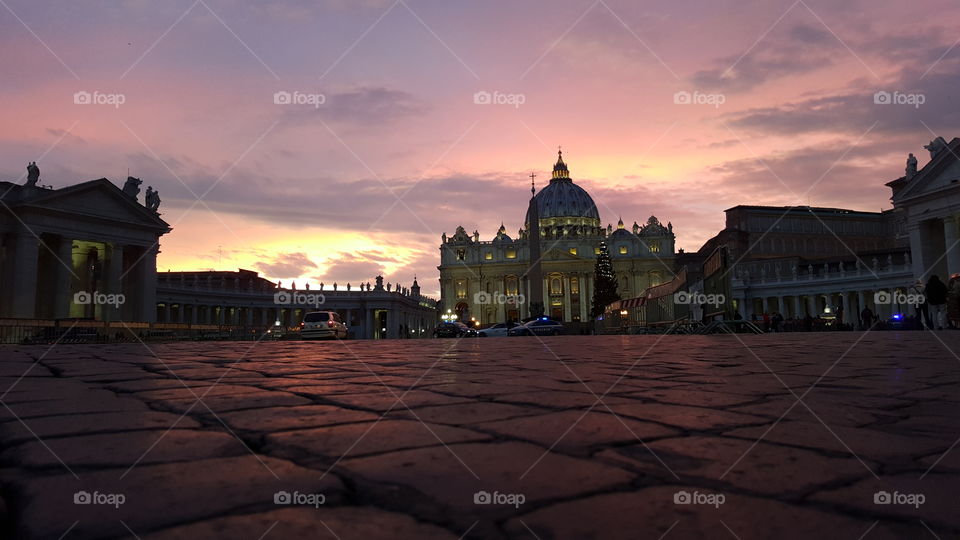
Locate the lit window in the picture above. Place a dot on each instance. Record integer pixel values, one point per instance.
(574, 286)
(573, 251)
(461, 288)
(461, 254)
(511, 253)
(623, 250)
(511, 285)
(654, 246)
(488, 256)
(556, 285)
(596, 251)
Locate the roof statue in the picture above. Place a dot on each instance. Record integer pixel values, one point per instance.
(33, 174)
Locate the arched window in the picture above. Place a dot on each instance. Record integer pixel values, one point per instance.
(556, 284)
(511, 284)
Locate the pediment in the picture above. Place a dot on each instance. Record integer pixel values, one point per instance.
(97, 199)
(940, 174)
(556, 254)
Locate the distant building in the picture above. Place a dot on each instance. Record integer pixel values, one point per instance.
(486, 280)
(83, 251)
(807, 261)
(244, 299)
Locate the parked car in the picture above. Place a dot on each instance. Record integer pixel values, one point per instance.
(277, 331)
(539, 327)
(453, 329)
(448, 330)
(323, 324)
(497, 330)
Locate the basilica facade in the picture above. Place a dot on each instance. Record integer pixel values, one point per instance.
(486, 280)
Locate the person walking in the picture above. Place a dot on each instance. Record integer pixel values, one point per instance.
(953, 301)
(935, 293)
(921, 307)
(866, 318)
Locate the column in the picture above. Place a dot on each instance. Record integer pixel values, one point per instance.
(147, 284)
(861, 303)
(780, 305)
(567, 311)
(64, 274)
(25, 276)
(950, 238)
(812, 305)
(916, 252)
(797, 307)
(846, 308)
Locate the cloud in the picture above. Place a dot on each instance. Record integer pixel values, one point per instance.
(362, 108)
(800, 51)
(286, 265)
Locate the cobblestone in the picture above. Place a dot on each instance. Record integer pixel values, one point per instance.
(563, 437)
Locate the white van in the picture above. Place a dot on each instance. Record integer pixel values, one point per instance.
(323, 324)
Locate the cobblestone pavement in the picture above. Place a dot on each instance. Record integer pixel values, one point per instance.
(831, 435)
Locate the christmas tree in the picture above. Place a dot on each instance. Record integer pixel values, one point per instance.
(604, 282)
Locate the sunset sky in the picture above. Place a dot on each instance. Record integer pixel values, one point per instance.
(399, 152)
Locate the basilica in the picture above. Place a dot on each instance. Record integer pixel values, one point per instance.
(485, 281)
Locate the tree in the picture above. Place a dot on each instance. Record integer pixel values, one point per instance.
(604, 282)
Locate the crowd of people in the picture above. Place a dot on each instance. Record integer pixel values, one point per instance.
(937, 308)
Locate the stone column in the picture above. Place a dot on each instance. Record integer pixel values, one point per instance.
(846, 307)
(812, 305)
(24, 284)
(147, 284)
(64, 294)
(798, 307)
(861, 303)
(951, 240)
(567, 311)
(916, 252)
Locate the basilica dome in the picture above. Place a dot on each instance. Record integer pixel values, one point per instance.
(563, 202)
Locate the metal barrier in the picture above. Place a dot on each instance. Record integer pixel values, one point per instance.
(36, 332)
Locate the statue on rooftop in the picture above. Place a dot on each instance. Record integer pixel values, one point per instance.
(911, 166)
(33, 174)
(152, 199)
(132, 187)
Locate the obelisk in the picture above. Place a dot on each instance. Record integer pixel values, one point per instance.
(534, 271)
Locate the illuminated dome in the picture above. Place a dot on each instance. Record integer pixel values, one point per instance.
(564, 203)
